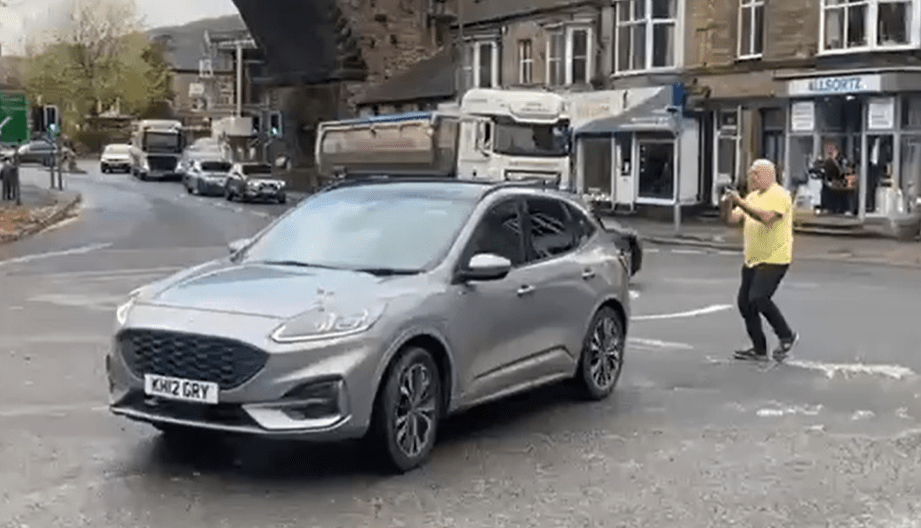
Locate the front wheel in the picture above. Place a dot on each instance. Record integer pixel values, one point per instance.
(228, 194)
(602, 355)
(282, 199)
(407, 411)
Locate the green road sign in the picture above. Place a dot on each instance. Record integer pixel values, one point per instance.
(14, 114)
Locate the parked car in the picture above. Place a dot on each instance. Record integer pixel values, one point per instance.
(41, 151)
(374, 309)
(202, 148)
(207, 177)
(254, 181)
(115, 157)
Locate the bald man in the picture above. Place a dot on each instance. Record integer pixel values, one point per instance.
(767, 217)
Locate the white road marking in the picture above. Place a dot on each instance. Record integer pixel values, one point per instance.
(803, 410)
(687, 251)
(683, 315)
(655, 343)
(92, 302)
(847, 369)
(651, 250)
(115, 274)
(49, 410)
(51, 254)
(634, 294)
(729, 253)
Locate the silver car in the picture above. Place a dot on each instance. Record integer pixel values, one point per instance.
(373, 309)
(206, 177)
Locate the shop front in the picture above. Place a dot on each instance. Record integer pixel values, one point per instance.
(643, 155)
(853, 143)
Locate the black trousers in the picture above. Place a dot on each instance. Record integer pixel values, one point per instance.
(758, 286)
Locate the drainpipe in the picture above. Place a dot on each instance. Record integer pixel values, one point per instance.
(239, 78)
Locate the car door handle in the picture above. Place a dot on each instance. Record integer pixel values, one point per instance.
(525, 290)
(588, 274)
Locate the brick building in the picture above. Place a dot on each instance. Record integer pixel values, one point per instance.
(785, 78)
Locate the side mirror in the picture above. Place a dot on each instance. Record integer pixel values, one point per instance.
(237, 245)
(486, 267)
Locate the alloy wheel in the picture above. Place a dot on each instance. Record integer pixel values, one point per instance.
(416, 410)
(606, 353)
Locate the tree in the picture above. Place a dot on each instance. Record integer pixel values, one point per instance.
(99, 59)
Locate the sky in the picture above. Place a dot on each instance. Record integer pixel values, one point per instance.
(23, 15)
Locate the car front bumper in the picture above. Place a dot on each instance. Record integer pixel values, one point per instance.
(117, 165)
(338, 376)
(215, 188)
(253, 194)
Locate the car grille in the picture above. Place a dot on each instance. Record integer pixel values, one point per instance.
(227, 362)
(162, 163)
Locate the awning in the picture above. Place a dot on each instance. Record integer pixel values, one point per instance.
(649, 115)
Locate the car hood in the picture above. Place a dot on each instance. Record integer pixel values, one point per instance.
(270, 290)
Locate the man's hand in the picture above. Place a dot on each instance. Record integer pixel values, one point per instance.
(733, 197)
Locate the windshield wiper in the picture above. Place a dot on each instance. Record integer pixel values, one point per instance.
(296, 263)
(387, 272)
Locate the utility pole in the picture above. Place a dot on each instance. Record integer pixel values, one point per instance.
(239, 45)
(677, 112)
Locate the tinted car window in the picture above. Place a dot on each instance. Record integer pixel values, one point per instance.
(257, 170)
(369, 227)
(581, 225)
(499, 233)
(215, 166)
(550, 233)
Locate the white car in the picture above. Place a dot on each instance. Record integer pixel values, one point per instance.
(254, 182)
(116, 157)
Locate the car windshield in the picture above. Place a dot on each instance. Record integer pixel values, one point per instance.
(531, 139)
(161, 141)
(117, 149)
(257, 171)
(215, 166)
(379, 228)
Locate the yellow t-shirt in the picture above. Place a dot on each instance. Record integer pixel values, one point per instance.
(769, 244)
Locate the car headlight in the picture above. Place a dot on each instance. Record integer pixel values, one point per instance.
(121, 313)
(325, 322)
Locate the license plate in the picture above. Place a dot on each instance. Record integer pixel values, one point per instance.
(180, 389)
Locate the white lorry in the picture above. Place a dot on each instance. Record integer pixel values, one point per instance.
(156, 147)
(494, 135)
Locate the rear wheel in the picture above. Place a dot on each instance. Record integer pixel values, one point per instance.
(407, 411)
(602, 355)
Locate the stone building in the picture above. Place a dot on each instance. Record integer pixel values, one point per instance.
(784, 79)
(323, 56)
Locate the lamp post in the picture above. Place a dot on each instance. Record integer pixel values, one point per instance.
(677, 111)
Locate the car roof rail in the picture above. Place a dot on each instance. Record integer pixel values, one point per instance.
(549, 184)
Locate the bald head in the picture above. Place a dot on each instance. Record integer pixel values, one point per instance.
(762, 174)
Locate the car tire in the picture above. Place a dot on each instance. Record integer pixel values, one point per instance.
(103, 169)
(420, 412)
(282, 199)
(602, 360)
(228, 194)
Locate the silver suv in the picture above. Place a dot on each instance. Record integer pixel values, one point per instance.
(375, 308)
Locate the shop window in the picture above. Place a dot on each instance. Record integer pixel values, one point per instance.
(596, 167)
(569, 54)
(880, 179)
(839, 114)
(481, 64)
(751, 28)
(869, 24)
(911, 112)
(647, 35)
(525, 62)
(657, 169)
(727, 146)
(772, 136)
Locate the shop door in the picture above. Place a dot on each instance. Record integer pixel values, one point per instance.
(597, 169)
(625, 188)
(656, 169)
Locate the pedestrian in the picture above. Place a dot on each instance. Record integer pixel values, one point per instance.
(7, 177)
(766, 213)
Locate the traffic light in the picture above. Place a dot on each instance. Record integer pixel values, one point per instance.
(275, 128)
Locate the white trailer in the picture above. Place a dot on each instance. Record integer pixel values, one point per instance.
(494, 134)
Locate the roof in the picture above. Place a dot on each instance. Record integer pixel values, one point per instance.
(650, 114)
(302, 40)
(185, 44)
(432, 78)
(478, 11)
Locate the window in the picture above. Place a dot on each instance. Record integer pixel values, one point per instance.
(550, 232)
(569, 56)
(751, 28)
(870, 24)
(582, 227)
(499, 233)
(647, 35)
(481, 64)
(514, 138)
(525, 62)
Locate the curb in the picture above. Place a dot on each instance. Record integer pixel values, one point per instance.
(60, 214)
(814, 258)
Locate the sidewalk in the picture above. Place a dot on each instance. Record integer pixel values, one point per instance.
(709, 233)
(40, 208)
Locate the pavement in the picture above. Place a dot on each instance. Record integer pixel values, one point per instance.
(711, 234)
(39, 207)
(690, 439)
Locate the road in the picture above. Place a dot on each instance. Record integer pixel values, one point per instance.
(690, 439)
